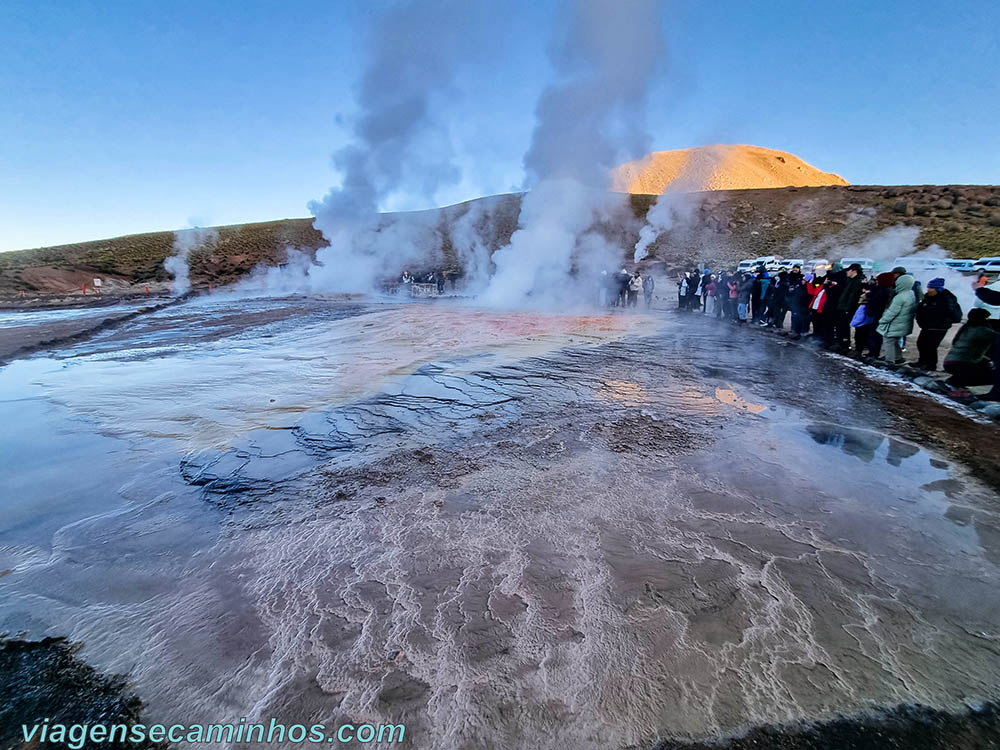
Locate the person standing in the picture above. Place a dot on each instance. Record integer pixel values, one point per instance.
(878, 301)
(778, 306)
(936, 313)
(797, 299)
(634, 287)
(745, 295)
(710, 289)
(896, 322)
(648, 285)
(441, 278)
(988, 298)
(706, 278)
(818, 312)
(694, 290)
(733, 285)
(847, 304)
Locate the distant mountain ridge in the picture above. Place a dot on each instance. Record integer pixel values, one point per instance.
(718, 167)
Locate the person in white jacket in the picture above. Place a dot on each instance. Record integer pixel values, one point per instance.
(634, 287)
(988, 298)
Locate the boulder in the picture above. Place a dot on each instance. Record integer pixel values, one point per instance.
(988, 408)
(903, 207)
(943, 204)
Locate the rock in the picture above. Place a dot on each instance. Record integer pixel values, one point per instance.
(995, 220)
(924, 381)
(988, 408)
(903, 207)
(943, 204)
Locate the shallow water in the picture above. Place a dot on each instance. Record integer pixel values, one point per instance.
(498, 528)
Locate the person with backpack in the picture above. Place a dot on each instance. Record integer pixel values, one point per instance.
(936, 313)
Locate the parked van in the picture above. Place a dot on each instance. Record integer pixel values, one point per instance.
(964, 266)
(770, 262)
(788, 263)
(867, 264)
(818, 265)
(990, 265)
(920, 265)
(746, 266)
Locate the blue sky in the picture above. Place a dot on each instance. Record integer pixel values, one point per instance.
(124, 117)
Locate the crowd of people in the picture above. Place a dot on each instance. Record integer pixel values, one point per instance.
(621, 288)
(438, 278)
(843, 311)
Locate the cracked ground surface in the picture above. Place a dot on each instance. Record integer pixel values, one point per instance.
(500, 529)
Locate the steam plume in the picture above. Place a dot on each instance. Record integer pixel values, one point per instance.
(185, 241)
(398, 147)
(589, 121)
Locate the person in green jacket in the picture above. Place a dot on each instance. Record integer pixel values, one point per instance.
(968, 360)
(897, 321)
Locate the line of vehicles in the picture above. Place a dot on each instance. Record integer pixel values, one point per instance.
(918, 264)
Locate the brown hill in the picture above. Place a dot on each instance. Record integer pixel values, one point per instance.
(718, 167)
(726, 226)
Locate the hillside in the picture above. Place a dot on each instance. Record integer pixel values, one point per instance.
(718, 167)
(725, 227)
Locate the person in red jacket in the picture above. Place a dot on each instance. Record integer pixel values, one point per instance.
(821, 312)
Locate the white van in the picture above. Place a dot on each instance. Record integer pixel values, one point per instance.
(746, 266)
(770, 262)
(789, 263)
(963, 266)
(920, 265)
(990, 265)
(867, 264)
(818, 265)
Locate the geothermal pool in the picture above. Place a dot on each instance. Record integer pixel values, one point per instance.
(501, 529)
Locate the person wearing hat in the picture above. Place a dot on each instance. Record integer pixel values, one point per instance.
(847, 303)
(936, 313)
(968, 359)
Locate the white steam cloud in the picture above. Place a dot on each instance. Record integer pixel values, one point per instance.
(186, 241)
(592, 119)
(898, 242)
(680, 201)
(399, 146)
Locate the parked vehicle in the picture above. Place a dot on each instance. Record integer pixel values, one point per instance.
(788, 263)
(990, 265)
(920, 265)
(746, 266)
(770, 262)
(867, 264)
(819, 265)
(964, 266)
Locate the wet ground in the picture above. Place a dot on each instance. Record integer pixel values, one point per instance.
(512, 529)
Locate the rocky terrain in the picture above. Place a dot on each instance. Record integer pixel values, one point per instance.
(723, 226)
